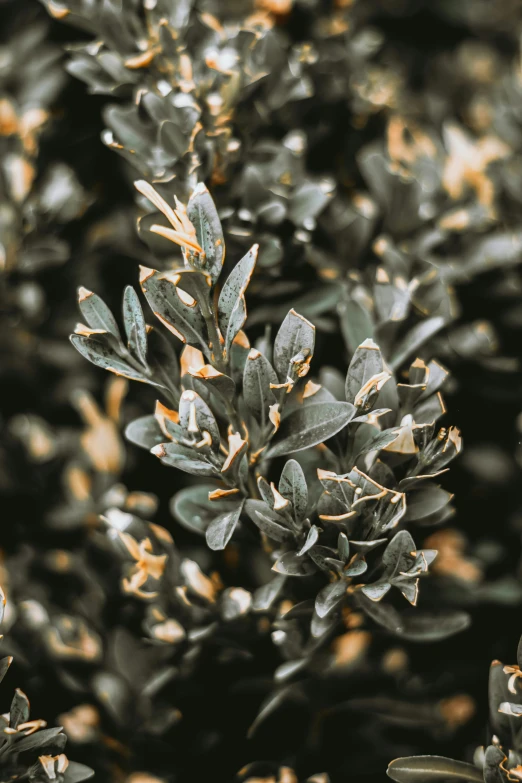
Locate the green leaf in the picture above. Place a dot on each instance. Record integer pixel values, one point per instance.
(415, 338)
(231, 305)
(195, 418)
(380, 441)
(296, 335)
(19, 710)
(397, 555)
(433, 626)
(163, 361)
(311, 539)
(145, 432)
(221, 529)
(176, 310)
(208, 378)
(293, 487)
(46, 739)
(5, 663)
(76, 772)
(192, 508)
(202, 213)
(195, 282)
(97, 314)
(257, 377)
(366, 362)
(376, 591)
(290, 564)
(308, 200)
(267, 521)
(308, 426)
(185, 459)
(273, 702)
(426, 500)
(356, 324)
(423, 769)
(134, 323)
(383, 614)
(329, 597)
(102, 356)
(265, 595)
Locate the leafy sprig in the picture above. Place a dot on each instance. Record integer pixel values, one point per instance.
(366, 445)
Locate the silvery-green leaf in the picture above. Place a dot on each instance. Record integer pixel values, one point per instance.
(185, 459)
(296, 335)
(192, 508)
(382, 613)
(232, 305)
(221, 529)
(356, 324)
(257, 377)
(287, 669)
(271, 704)
(366, 362)
(397, 555)
(195, 418)
(343, 546)
(436, 378)
(76, 772)
(311, 539)
(163, 362)
(426, 500)
(208, 378)
(356, 567)
(5, 663)
(265, 595)
(19, 710)
(311, 425)
(195, 282)
(267, 521)
(292, 485)
(203, 215)
(134, 323)
(424, 769)
(321, 626)
(380, 441)
(290, 564)
(182, 319)
(97, 314)
(46, 739)
(433, 626)
(144, 432)
(329, 597)
(103, 356)
(377, 591)
(307, 202)
(415, 338)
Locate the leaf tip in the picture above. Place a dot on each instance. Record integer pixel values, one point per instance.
(83, 294)
(145, 273)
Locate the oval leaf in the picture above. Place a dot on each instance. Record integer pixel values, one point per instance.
(220, 530)
(423, 769)
(308, 426)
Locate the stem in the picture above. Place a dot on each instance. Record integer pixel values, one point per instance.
(222, 366)
(252, 486)
(213, 334)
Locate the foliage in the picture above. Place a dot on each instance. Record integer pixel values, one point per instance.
(500, 760)
(299, 604)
